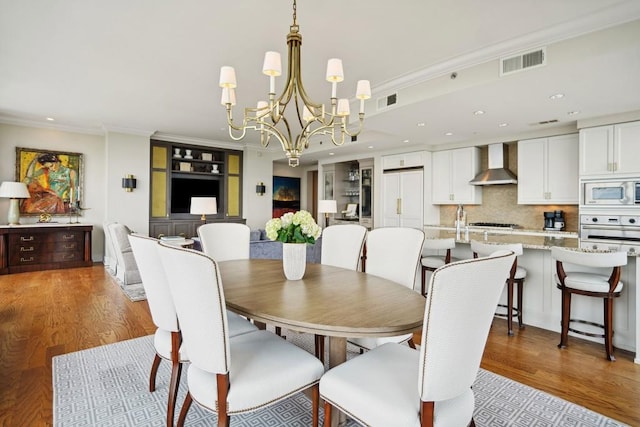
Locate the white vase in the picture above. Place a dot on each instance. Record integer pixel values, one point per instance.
(294, 260)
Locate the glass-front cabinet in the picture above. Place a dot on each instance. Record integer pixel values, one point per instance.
(366, 193)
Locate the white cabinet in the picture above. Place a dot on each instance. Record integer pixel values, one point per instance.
(548, 170)
(610, 150)
(404, 160)
(451, 172)
(402, 199)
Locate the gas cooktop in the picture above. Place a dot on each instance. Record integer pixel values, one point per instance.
(492, 225)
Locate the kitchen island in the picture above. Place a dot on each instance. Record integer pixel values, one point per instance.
(542, 299)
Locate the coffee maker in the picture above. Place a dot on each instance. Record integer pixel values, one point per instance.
(548, 221)
(554, 221)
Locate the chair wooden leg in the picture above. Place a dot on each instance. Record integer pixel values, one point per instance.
(327, 414)
(472, 423)
(566, 315)
(424, 277)
(154, 372)
(426, 414)
(176, 371)
(185, 408)
(222, 382)
(411, 343)
(520, 294)
(319, 347)
(510, 307)
(608, 328)
(315, 403)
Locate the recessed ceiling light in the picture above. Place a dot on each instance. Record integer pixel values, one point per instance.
(331, 154)
(478, 112)
(448, 133)
(421, 124)
(51, 119)
(573, 113)
(371, 146)
(406, 140)
(557, 96)
(503, 125)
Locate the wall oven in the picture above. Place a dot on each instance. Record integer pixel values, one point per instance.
(617, 232)
(611, 193)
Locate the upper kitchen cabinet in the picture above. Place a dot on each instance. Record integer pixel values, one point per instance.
(548, 170)
(404, 160)
(451, 172)
(610, 150)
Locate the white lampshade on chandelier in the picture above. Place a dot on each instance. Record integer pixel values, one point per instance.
(269, 117)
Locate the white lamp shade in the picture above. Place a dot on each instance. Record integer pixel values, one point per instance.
(327, 206)
(14, 190)
(334, 70)
(272, 64)
(363, 89)
(227, 77)
(343, 107)
(203, 206)
(228, 96)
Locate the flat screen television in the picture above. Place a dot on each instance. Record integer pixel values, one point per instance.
(183, 189)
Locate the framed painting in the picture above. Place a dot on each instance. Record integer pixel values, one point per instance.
(286, 195)
(54, 180)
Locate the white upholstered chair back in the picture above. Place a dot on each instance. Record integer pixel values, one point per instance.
(154, 281)
(432, 245)
(393, 253)
(342, 245)
(589, 259)
(461, 301)
(196, 288)
(127, 270)
(486, 249)
(225, 241)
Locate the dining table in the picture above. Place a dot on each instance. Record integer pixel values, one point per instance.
(330, 301)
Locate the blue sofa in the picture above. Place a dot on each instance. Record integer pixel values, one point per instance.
(261, 247)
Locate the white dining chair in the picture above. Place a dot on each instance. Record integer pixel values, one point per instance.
(225, 241)
(515, 277)
(392, 253)
(342, 245)
(167, 337)
(393, 385)
(573, 278)
(230, 375)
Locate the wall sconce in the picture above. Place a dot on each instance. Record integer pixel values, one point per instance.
(129, 183)
(261, 189)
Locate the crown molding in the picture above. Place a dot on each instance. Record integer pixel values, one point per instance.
(128, 131)
(51, 125)
(197, 141)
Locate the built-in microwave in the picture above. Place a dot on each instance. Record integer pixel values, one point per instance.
(612, 193)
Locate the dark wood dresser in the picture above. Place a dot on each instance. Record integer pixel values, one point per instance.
(36, 247)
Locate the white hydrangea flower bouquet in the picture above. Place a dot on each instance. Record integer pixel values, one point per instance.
(299, 227)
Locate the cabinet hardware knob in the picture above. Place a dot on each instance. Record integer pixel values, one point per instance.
(68, 236)
(26, 249)
(26, 259)
(26, 239)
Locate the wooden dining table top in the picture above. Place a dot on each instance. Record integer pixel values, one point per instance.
(328, 300)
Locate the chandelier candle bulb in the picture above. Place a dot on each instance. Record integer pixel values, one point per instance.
(363, 91)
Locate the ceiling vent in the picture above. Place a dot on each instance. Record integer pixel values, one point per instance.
(548, 122)
(523, 61)
(387, 101)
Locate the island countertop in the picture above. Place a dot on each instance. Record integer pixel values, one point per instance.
(530, 239)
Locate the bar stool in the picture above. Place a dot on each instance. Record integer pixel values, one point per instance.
(431, 262)
(591, 285)
(516, 275)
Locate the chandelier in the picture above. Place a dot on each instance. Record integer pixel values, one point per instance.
(269, 119)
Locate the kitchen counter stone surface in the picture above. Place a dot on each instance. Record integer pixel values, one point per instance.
(530, 239)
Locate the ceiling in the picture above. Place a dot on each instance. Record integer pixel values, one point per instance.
(152, 66)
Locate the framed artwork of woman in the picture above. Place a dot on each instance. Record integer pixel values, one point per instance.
(53, 178)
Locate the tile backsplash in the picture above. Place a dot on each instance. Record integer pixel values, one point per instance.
(500, 203)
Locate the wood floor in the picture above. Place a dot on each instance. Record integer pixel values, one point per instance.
(44, 314)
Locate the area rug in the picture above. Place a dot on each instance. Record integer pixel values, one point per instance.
(109, 386)
(134, 291)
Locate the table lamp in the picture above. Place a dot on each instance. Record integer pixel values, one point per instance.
(14, 191)
(326, 207)
(203, 206)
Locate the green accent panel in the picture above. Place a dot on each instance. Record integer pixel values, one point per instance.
(233, 199)
(159, 194)
(159, 157)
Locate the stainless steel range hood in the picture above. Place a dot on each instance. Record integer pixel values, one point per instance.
(497, 172)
